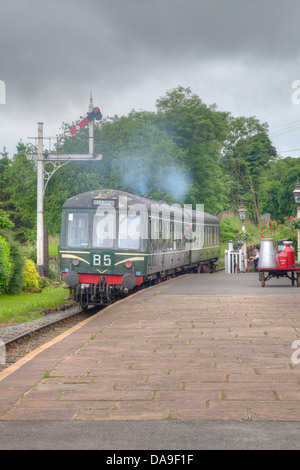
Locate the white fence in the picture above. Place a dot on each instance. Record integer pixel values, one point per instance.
(233, 260)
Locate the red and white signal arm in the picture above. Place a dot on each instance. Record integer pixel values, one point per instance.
(95, 114)
(79, 126)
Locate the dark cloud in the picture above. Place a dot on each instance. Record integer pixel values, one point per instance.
(241, 55)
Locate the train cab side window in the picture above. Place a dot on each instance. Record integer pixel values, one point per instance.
(78, 229)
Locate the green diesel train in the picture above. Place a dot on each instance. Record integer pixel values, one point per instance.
(112, 242)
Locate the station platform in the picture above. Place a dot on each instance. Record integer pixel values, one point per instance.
(198, 347)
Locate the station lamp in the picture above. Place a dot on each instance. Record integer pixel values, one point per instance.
(296, 193)
(242, 212)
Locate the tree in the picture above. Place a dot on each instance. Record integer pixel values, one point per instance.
(21, 191)
(254, 154)
(199, 130)
(247, 154)
(138, 156)
(277, 187)
(5, 222)
(4, 166)
(143, 158)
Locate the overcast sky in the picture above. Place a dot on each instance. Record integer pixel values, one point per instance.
(241, 55)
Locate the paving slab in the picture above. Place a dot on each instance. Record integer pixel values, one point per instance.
(199, 347)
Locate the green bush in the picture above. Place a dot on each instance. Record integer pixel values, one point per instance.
(5, 222)
(16, 280)
(31, 277)
(29, 251)
(228, 229)
(44, 282)
(53, 272)
(17, 277)
(5, 264)
(279, 230)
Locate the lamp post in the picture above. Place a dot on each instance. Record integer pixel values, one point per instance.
(296, 194)
(242, 215)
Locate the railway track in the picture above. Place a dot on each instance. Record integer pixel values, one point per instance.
(19, 346)
(41, 328)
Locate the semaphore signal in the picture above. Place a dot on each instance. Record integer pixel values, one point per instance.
(57, 160)
(94, 114)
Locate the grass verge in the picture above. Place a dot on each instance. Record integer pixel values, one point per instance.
(24, 307)
(53, 246)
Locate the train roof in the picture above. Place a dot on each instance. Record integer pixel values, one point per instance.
(93, 199)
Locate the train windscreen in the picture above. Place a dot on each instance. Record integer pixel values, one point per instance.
(77, 229)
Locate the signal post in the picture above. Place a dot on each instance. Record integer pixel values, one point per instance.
(57, 161)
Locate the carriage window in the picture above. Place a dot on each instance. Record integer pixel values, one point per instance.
(178, 230)
(104, 229)
(166, 230)
(130, 231)
(205, 236)
(78, 229)
(155, 223)
(200, 235)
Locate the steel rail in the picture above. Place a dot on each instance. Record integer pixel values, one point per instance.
(39, 328)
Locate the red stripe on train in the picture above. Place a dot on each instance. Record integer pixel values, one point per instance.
(109, 278)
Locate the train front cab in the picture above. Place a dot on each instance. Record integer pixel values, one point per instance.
(102, 255)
